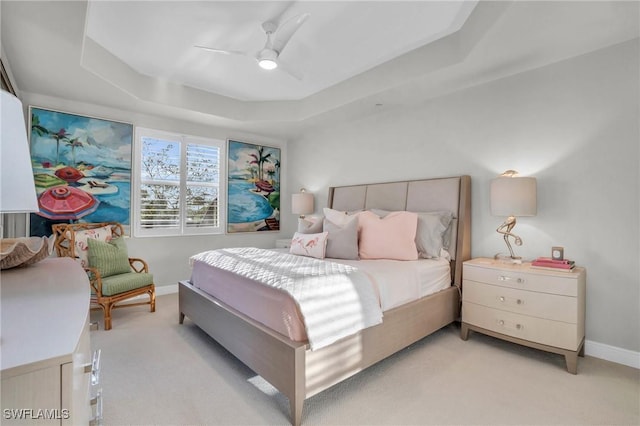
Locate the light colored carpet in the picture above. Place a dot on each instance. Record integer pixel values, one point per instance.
(155, 371)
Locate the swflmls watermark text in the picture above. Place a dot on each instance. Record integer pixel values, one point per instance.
(35, 414)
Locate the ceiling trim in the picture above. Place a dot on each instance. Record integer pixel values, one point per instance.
(397, 72)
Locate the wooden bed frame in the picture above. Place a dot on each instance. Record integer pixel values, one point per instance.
(292, 367)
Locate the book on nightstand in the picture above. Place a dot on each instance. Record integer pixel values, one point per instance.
(553, 264)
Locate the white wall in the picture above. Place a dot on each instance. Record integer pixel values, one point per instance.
(168, 256)
(573, 125)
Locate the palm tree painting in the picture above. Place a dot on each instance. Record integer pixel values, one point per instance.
(82, 157)
(253, 187)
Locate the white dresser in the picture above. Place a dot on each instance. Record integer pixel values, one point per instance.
(47, 364)
(533, 307)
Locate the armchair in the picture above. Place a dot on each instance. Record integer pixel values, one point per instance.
(114, 277)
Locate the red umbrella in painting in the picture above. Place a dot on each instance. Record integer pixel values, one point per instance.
(69, 174)
(66, 202)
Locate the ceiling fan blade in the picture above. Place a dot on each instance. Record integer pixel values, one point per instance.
(286, 30)
(222, 51)
(293, 72)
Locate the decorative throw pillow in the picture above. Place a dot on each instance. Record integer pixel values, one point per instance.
(391, 237)
(433, 228)
(342, 241)
(312, 245)
(338, 217)
(81, 244)
(109, 258)
(310, 225)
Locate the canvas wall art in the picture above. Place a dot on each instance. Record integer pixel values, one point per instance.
(253, 187)
(81, 167)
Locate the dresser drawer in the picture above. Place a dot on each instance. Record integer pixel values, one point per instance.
(524, 279)
(548, 332)
(542, 305)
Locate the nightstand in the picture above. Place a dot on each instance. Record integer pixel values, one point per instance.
(533, 307)
(283, 243)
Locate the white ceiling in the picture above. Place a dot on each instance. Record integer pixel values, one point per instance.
(142, 60)
(338, 41)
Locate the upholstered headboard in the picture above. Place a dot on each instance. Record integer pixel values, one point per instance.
(425, 195)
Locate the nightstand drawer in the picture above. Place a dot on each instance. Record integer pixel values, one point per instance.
(543, 305)
(528, 280)
(544, 331)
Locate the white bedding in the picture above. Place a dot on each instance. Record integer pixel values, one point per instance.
(394, 283)
(399, 282)
(335, 299)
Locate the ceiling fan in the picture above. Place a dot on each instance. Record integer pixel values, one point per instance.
(277, 38)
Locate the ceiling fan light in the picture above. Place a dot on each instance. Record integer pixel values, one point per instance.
(268, 64)
(267, 59)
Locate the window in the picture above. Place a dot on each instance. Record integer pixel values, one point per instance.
(178, 185)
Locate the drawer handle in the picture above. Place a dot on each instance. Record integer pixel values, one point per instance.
(517, 327)
(506, 278)
(504, 299)
(95, 368)
(97, 402)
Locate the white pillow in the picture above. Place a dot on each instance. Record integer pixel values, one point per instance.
(338, 217)
(81, 249)
(312, 245)
(310, 225)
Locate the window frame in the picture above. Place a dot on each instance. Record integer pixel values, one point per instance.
(183, 140)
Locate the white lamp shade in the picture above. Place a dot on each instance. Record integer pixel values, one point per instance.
(302, 203)
(17, 188)
(513, 196)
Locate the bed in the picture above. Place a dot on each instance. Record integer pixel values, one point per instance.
(291, 366)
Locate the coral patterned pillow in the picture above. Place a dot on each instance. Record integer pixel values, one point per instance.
(390, 237)
(81, 248)
(312, 245)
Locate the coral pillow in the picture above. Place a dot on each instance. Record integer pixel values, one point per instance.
(312, 245)
(390, 237)
(82, 246)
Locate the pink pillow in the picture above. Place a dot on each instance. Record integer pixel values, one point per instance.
(390, 237)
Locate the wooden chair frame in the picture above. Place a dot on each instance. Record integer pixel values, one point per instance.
(65, 247)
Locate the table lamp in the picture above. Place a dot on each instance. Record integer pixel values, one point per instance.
(512, 196)
(17, 187)
(302, 203)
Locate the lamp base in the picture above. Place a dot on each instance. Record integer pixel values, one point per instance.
(505, 258)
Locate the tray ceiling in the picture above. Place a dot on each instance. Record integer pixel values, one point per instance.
(357, 58)
(339, 40)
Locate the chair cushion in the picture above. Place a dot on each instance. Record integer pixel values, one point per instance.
(109, 258)
(117, 284)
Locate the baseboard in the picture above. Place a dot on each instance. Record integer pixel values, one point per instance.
(612, 353)
(166, 289)
(594, 349)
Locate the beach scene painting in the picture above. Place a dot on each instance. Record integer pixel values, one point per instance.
(253, 187)
(81, 167)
